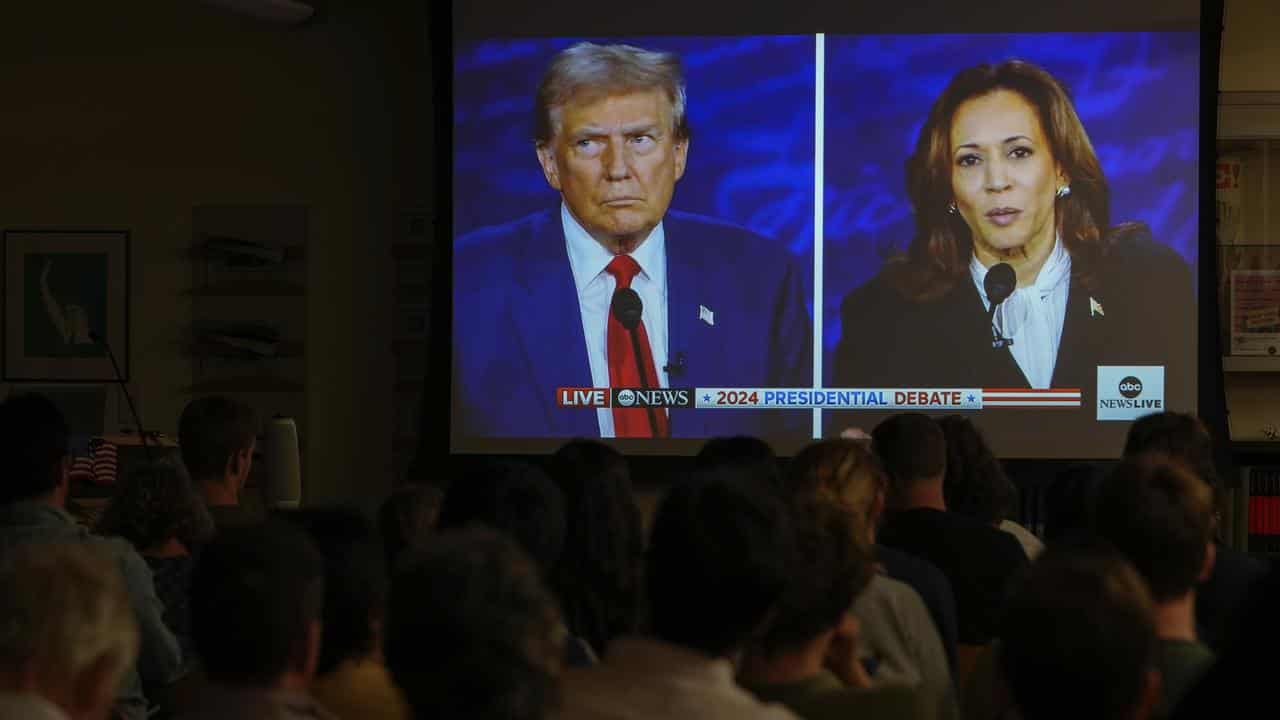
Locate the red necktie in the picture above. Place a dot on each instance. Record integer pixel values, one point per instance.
(623, 369)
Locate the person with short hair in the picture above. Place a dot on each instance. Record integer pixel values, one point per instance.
(257, 598)
(351, 679)
(808, 658)
(1160, 517)
(979, 560)
(718, 563)
(1078, 640)
(33, 498)
(612, 137)
(472, 631)
(751, 456)
(407, 518)
(1222, 596)
(598, 575)
(69, 633)
(217, 436)
(899, 642)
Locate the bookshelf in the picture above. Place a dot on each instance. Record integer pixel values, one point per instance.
(249, 297)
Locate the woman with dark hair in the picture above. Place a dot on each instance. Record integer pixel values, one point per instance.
(975, 484)
(598, 575)
(158, 510)
(1004, 173)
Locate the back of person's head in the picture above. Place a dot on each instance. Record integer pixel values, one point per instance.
(912, 449)
(749, 456)
(840, 470)
(34, 439)
(1160, 516)
(514, 497)
(1078, 638)
(154, 503)
(66, 625)
(832, 566)
(257, 595)
(598, 576)
(407, 517)
(472, 631)
(355, 581)
(1070, 500)
(1180, 436)
(211, 431)
(975, 484)
(718, 561)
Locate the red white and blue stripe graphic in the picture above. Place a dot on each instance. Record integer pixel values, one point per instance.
(1031, 398)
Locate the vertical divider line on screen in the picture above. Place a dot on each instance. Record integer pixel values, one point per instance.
(819, 121)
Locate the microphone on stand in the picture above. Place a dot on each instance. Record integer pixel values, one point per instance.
(677, 368)
(627, 307)
(999, 285)
(137, 419)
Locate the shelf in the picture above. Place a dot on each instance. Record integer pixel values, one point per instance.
(411, 251)
(249, 290)
(248, 385)
(284, 350)
(1250, 363)
(404, 345)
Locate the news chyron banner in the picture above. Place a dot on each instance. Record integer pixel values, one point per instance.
(818, 398)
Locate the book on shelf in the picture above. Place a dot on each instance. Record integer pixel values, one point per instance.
(235, 253)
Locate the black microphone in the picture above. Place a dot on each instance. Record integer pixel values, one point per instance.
(999, 285)
(677, 368)
(627, 307)
(133, 409)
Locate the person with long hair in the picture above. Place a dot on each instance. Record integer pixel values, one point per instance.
(1003, 172)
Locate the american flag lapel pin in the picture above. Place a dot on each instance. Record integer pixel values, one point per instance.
(1095, 308)
(706, 315)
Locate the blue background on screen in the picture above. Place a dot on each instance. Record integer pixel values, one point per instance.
(1136, 93)
(750, 106)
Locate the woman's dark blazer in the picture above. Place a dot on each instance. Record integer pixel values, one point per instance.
(1147, 317)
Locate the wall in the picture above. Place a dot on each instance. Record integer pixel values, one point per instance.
(125, 115)
(1250, 53)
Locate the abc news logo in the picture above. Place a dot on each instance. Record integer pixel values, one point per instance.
(1130, 388)
(624, 398)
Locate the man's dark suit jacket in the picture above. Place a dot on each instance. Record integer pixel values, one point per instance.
(1148, 318)
(518, 335)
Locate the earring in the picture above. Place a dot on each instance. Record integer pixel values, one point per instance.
(951, 208)
(1064, 191)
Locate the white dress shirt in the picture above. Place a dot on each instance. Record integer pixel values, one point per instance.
(588, 260)
(1033, 315)
(646, 679)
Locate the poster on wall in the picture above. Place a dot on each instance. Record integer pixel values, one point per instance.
(1255, 312)
(65, 294)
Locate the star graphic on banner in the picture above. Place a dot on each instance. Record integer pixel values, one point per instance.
(706, 397)
(972, 398)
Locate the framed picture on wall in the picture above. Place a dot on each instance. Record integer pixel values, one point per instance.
(65, 293)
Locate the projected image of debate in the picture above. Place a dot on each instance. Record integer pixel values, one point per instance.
(638, 214)
(1005, 228)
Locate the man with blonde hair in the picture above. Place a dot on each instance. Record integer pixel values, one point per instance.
(67, 633)
(611, 288)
